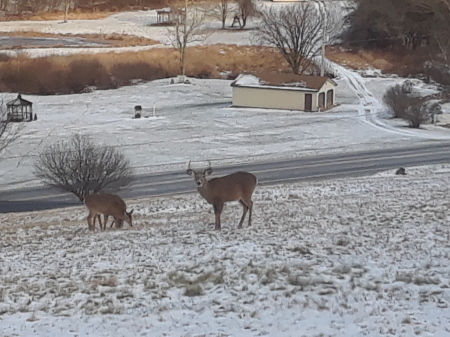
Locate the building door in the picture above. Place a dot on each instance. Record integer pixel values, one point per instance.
(330, 102)
(322, 101)
(308, 102)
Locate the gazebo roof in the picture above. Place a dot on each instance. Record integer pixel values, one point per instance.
(19, 101)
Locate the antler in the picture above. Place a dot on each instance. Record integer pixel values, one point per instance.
(209, 164)
(189, 164)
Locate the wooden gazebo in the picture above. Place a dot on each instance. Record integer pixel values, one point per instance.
(164, 16)
(19, 110)
(169, 16)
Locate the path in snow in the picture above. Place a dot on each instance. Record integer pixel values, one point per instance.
(371, 107)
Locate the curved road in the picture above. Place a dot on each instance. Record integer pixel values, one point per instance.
(307, 168)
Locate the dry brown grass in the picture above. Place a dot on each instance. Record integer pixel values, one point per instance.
(71, 74)
(43, 16)
(400, 61)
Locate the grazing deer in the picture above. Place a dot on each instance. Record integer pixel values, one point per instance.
(106, 204)
(218, 191)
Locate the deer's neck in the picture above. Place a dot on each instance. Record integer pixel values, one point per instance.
(205, 192)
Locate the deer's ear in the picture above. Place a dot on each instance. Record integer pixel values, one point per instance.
(208, 171)
(189, 172)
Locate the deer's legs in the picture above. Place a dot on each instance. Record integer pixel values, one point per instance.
(89, 221)
(105, 220)
(114, 222)
(250, 208)
(217, 211)
(99, 218)
(244, 213)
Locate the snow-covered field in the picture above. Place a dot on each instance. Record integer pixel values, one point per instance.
(356, 257)
(196, 122)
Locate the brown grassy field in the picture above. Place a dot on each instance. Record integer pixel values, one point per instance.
(72, 74)
(402, 62)
(43, 16)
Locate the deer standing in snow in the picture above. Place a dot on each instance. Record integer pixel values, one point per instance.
(106, 204)
(217, 191)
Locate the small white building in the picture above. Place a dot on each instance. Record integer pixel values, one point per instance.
(284, 91)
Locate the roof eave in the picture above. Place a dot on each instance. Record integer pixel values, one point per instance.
(275, 87)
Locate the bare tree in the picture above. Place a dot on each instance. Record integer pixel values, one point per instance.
(439, 29)
(221, 9)
(81, 167)
(67, 4)
(186, 29)
(295, 31)
(246, 9)
(442, 39)
(9, 131)
(332, 26)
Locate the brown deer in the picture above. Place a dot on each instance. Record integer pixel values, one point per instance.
(106, 204)
(217, 191)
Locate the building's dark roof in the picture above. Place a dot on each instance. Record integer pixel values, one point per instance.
(281, 80)
(19, 101)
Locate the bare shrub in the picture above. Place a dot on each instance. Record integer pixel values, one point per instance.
(81, 167)
(405, 106)
(397, 99)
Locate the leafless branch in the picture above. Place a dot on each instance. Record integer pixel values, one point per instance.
(9, 131)
(81, 167)
(411, 108)
(221, 9)
(295, 31)
(186, 30)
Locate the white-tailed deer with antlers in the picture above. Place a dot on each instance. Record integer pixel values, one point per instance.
(238, 186)
(108, 205)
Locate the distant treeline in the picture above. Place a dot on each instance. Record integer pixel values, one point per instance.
(20, 7)
(408, 23)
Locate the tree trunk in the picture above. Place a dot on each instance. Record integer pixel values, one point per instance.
(66, 11)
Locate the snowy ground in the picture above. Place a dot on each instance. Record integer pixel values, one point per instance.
(356, 257)
(196, 122)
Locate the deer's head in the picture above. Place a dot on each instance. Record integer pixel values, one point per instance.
(199, 177)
